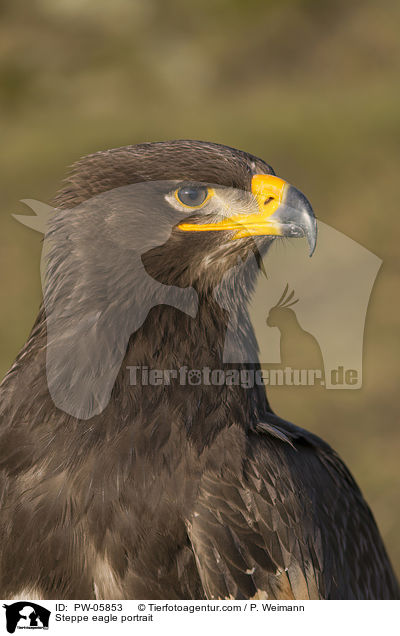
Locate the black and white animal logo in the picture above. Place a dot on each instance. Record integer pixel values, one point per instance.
(26, 616)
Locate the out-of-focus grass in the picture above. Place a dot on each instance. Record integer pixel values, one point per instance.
(311, 87)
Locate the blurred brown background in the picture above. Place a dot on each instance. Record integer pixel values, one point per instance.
(310, 86)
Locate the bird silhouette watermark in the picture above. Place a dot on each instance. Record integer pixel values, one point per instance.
(309, 337)
(299, 349)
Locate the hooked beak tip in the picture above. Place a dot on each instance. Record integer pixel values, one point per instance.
(297, 217)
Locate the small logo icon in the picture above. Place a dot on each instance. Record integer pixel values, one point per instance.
(299, 349)
(26, 615)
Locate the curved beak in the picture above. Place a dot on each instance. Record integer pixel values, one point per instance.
(282, 211)
(293, 215)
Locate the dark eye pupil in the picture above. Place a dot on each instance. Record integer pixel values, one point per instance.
(192, 196)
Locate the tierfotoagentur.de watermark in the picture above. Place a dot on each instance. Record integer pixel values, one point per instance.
(245, 378)
(302, 324)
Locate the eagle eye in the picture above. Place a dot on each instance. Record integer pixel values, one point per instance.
(192, 196)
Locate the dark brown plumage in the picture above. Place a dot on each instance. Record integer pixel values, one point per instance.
(185, 492)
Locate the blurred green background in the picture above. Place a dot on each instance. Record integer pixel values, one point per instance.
(312, 87)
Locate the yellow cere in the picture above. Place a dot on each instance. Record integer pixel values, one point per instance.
(268, 191)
